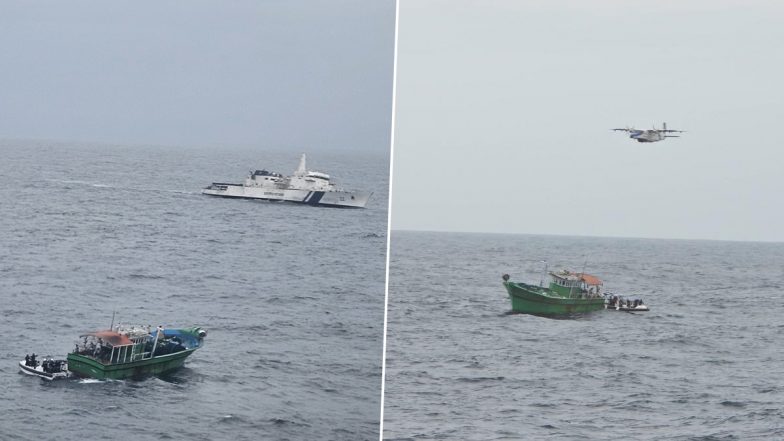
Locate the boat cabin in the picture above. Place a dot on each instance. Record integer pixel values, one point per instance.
(318, 175)
(578, 285)
(263, 178)
(311, 181)
(264, 174)
(127, 345)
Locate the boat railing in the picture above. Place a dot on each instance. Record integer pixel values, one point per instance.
(128, 353)
(142, 356)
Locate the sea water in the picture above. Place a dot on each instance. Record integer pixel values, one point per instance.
(292, 296)
(706, 363)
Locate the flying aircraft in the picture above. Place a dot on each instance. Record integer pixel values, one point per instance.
(652, 135)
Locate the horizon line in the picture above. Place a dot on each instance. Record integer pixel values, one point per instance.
(392, 230)
(183, 145)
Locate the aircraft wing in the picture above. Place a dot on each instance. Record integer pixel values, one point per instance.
(622, 130)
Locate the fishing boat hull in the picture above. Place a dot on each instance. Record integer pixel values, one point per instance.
(38, 371)
(339, 199)
(531, 299)
(84, 366)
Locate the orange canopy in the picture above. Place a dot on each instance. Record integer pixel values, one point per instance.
(111, 337)
(590, 280)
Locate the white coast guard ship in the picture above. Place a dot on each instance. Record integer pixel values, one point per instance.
(304, 186)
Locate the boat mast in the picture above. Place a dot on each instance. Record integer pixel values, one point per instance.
(541, 281)
(302, 170)
(111, 327)
(155, 343)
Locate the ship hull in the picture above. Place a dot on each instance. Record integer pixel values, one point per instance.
(531, 299)
(339, 199)
(83, 366)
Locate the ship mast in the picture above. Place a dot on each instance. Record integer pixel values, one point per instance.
(155, 343)
(302, 170)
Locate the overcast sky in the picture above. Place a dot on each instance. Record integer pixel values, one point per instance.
(504, 108)
(286, 74)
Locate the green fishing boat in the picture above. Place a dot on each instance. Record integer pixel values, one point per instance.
(568, 293)
(133, 352)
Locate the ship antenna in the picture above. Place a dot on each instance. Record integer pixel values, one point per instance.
(303, 168)
(111, 327)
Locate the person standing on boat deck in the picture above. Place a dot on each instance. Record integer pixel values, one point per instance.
(27, 359)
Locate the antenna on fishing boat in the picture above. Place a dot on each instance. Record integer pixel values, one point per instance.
(541, 281)
(111, 327)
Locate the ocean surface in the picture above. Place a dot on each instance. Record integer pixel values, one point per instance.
(706, 363)
(292, 296)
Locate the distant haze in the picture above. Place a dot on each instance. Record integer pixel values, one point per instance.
(504, 111)
(305, 75)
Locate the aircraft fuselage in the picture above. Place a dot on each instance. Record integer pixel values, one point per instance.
(646, 135)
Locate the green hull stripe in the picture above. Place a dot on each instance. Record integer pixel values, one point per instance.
(88, 367)
(532, 299)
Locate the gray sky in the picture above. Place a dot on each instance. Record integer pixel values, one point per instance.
(504, 108)
(286, 74)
